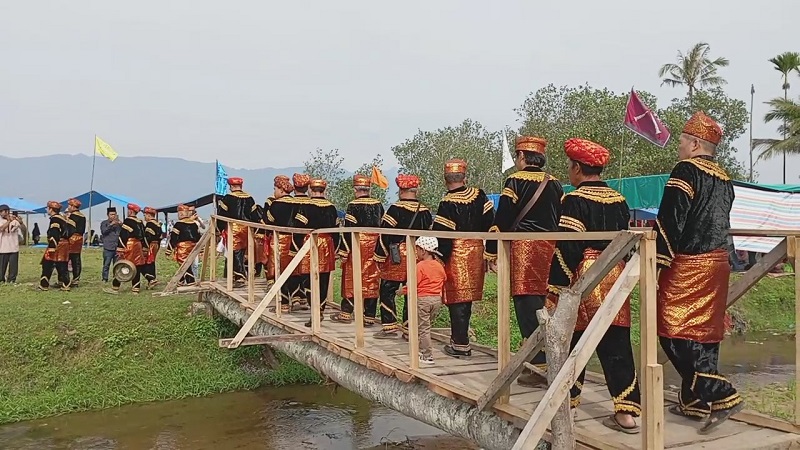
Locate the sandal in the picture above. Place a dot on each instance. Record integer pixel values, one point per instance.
(612, 423)
(716, 418)
(676, 409)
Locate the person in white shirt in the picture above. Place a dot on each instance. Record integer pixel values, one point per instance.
(10, 228)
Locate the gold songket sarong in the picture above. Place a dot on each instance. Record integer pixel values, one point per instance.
(133, 252)
(692, 297)
(530, 266)
(284, 246)
(258, 248)
(75, 243)
(61, 253)
(394, 272)
(370, 277)
(269, 258)
(153, 252)
(182, 251)
(326, 252)
(591, 303)
(239, 233)
(465, 272)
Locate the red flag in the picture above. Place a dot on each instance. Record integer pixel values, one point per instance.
(642, 121)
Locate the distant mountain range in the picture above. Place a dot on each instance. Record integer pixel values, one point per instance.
(154, 181)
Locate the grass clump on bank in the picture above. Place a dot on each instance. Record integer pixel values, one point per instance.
(81, 350)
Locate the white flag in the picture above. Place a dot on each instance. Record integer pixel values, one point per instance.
(507, 161)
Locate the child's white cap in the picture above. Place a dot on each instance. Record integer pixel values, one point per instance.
(430, 244)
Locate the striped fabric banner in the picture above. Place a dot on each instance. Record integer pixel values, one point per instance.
(763, 209)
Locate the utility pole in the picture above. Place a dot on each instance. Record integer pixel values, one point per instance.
(752, 95)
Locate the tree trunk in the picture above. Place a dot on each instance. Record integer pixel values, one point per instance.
(412, 399)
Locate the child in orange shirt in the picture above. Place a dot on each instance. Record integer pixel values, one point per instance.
(430, 286)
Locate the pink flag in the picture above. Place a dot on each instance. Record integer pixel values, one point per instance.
(642, 121)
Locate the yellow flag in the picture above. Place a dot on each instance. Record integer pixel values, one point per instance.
(104, 149)
(378, 178)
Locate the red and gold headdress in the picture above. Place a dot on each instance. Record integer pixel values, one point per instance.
(235, 181)
(455, 165)
(530, 144)
(150, 210)
(300, 180)
(181, 208)
(52, 204)
(134, 207)
(74, 202)
(361, 181)
(283, 183)
(318, 183)
(586, 152)
(703, 127)
(407, 181)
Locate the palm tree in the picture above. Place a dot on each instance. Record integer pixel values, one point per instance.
(785, 63)
(694, 70)
(788, 112)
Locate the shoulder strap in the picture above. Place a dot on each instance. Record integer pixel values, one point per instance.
(531, 202)
(414, 217)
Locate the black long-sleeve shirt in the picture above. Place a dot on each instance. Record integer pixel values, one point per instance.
(361, 212)
(462, 209)
(400, 216)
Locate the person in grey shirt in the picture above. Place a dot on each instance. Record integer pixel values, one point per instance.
(109, 234)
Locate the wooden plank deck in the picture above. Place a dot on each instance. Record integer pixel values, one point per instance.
(468, 379)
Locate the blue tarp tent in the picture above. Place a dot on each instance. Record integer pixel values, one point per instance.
(98, 198)
(18, 204)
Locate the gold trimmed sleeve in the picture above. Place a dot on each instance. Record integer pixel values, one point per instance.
(488, 206)
(508, 192)
(571, 223)
(222, 205)
(445, 222)
(301, 218)
(682, 185)
(391, 221)
(351, 218)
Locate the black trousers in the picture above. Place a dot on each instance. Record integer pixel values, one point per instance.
(9, 262)
(388, 292)
(324, 282)
(291, 289)
(47, 272)
(616, 358)
(188, 277)
(149, 271)
(703, 389)
(135, 282)
(525, 307)
(460, 314)
(370, 307)
(239, 271)
(77, 267)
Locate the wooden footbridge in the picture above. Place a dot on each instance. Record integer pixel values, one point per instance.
(478, 398)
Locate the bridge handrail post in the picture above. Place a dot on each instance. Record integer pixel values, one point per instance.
(276, 263)
(651, 381)
(316, 315)
(411, 307)
(358, 295)
(503, 312)
(251, 267)
(229, 257)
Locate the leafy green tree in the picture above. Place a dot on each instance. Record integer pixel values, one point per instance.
(788, 112)
(695, 70)
(559, 113)
(345, 185)
(424, 155)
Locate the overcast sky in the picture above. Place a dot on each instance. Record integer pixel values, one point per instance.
(257, 83)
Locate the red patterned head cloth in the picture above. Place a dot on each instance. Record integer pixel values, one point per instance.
(455, 165)
(703, 127)
(74, 202)
(235, 181)
(530, 144)
(150, 210)
(300, 180)
(407, 181)
(318, 183)
(181, 208)
(586, 152)
(134, 207)
(283, 183)
(52, 204)
(361, 181)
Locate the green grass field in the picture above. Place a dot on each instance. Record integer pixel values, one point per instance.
(79, 350)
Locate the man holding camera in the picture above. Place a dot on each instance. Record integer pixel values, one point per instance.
(10, 228)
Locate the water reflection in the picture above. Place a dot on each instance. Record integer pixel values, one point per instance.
(307, 417)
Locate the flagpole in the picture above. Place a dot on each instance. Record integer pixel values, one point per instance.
(621, 153)
(91, 184)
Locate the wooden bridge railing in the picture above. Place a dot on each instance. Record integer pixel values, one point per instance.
(554, 332)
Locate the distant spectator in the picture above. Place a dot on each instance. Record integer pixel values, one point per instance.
(109, 230)
(11, 227)
(36, 234)
(95, 239)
